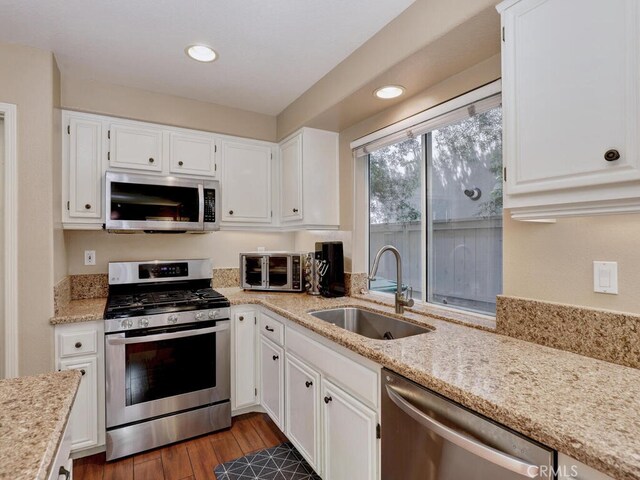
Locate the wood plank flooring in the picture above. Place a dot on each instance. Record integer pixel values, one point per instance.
(192, 459)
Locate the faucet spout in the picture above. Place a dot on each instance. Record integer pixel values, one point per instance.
(401, 300)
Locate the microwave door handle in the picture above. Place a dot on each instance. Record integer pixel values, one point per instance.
(201, 205)
(166, 336)
(504, 460)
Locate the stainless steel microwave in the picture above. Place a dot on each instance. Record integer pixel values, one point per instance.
(275, 271)
(161, 204)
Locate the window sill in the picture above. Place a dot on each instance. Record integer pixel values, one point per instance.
(462, 317)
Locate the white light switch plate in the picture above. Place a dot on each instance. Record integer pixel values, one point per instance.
(89, 257)
(605, 277)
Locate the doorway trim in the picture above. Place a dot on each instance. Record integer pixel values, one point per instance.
(10, 217)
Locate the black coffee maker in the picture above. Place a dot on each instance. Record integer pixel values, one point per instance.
(332, 282)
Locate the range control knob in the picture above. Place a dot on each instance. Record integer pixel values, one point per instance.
(126, 323)
(213, 314)
(200, 316)
(143, 322)
(173, 319)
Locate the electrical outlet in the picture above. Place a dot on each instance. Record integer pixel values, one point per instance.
(89, 257)
(260, 249)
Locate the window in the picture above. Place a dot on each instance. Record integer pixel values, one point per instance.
(437, 197)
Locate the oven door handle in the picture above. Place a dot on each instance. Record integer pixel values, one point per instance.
(473, 446)
(167, 336)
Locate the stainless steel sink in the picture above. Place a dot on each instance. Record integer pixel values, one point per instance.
(369, 324)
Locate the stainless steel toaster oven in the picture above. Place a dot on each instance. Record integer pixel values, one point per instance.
(275, 271)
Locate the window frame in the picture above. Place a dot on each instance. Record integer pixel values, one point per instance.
(431, 119)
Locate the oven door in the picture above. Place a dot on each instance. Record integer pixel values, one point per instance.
(159, 371)
(148, 203)
(279, 273)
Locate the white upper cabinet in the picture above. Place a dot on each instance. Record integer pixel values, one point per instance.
(291, 178)
(192, 153)
(571, 96)
(309, 179)
(246, 182)
(83, 168)
(135, 146)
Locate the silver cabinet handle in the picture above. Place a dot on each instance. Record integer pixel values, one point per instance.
(471, 445)
(166, 336)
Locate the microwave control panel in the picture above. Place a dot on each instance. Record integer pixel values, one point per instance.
(209, 205)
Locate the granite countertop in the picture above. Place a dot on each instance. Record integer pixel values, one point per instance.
(33, 415)
(85, 310)
(586, 408)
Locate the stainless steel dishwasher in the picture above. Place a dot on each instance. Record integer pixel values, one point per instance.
(427, 437)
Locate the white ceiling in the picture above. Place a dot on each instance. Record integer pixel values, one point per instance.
(271, 51)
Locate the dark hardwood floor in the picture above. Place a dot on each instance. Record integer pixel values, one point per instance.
(192, 459)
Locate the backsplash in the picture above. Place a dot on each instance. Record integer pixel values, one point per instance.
(61, 294)
(610, 336)
(226, 277)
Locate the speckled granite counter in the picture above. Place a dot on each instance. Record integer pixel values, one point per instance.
(586, 408)
(33, 414)
(85, 310)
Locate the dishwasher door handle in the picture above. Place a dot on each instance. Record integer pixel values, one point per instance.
(479, 449)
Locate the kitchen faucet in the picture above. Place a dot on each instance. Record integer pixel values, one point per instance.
(401, 300)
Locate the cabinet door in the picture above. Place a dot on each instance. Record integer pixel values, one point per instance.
(291, 179)
(302, 409)
(137, 147)
(85, 168)
(570, 92)
(244, 359)
(272, 380)
(192, 154)
(83, 422)
(246, 184)
(350, 444)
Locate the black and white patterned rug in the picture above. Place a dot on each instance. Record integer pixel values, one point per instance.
(283, 462)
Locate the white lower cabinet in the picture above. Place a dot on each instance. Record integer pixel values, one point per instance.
(243, 358)
(83, 424)
(272, 380)
(302, 409)
(81, 347)
(350, 443)
(62, 466)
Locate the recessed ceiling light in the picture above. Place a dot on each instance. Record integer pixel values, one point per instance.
(389, 91)
(201, 53)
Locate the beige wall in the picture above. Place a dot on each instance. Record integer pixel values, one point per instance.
(2, 319)
(59, 249)
(222, 247)
(554, 262)
(421, 24)
(137, 104)
(27, 79)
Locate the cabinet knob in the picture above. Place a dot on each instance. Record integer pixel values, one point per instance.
(65, 472)
(181, 163)
(83, 372)
(611, 155)
(151, 160)
(308, 383)
(295, 210)
(327, 399)
(88, 206)
(230, 212)
(78, 345)
(275, 357)
(241, 318)
(269, 329)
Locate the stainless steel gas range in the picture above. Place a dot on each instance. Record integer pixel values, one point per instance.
(167, 351)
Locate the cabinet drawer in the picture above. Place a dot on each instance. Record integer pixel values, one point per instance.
(355, 378)
(77, 343)
(272, 329)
